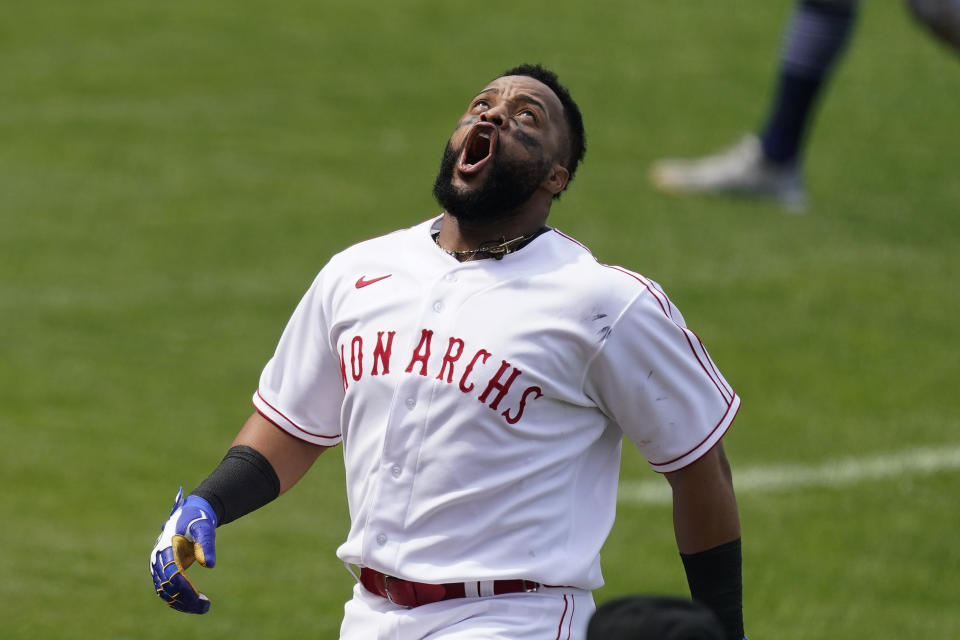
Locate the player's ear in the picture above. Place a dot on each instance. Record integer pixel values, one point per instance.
(557, 179)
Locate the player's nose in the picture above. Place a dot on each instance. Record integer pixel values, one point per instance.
(495, 116)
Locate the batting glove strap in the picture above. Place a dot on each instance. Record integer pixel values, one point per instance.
(187, 536)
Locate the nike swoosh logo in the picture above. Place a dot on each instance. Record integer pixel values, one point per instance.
(361, 283)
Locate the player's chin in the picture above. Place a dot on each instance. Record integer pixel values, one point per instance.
(466, 183)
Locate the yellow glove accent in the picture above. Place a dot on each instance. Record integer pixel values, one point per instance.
(185, 552)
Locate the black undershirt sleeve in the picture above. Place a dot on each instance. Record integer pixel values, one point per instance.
(243, 482)
(715, 578)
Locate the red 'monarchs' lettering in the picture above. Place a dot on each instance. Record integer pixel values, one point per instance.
(356, 357)
(494, 383)
(450, 357)
(382, 353)
(523, 403)
(422, 353)
(483, 353)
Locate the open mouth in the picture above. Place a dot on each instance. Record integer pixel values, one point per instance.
(478, 148)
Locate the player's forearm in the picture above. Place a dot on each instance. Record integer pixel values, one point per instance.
(712, 561)
(704, 505)
(698, 526)
(262, 462)
(289, 457)
(707, 527)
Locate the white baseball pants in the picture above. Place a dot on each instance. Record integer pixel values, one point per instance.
(552, 613)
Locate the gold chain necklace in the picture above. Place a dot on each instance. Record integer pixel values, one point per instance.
(489, 249)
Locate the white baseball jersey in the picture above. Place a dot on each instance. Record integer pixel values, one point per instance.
(481, 405)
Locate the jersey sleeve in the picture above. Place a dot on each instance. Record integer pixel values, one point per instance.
(654, 378)
(300, 387)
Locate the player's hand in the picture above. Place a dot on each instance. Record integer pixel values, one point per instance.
(188, 535)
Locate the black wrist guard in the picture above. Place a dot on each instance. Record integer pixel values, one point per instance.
(244, 482)
(715, 579)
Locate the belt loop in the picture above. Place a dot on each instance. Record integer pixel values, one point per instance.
(471, 589)
(386, 589)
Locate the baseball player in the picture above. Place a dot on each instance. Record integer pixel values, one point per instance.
(480, 370)
(769, 163)
(941, 17)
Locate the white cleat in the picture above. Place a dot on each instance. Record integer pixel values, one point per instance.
(741, 170)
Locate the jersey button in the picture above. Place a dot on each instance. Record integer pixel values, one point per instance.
(450, 277)
(438, 306)
(395, 470)
(381, 539)
(411, 403)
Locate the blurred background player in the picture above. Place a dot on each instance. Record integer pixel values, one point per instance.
(769, 164)
(654, 618)
(942, 17)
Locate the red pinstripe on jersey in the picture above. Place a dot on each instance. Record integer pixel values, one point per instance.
(700, 354)
(696, 346)
(573, 610)
(563, 616)
(289, 421)
(724, 420)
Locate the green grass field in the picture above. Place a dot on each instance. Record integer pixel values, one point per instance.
(172, 176)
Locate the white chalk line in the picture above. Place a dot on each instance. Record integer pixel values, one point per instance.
(833, 473)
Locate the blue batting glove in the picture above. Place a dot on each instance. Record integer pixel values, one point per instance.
(189, 534)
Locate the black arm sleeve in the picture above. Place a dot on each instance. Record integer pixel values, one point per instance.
(244, 482)
(715, 579)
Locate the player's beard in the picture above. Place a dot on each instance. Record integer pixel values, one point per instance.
(508, 184)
